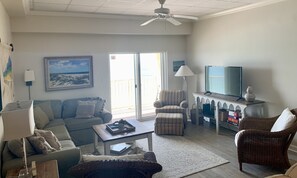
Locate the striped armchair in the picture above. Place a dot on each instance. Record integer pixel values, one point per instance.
(172, 101)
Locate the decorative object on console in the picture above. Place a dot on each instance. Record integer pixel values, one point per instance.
(250, 96)
(29, 77)
(18, 122)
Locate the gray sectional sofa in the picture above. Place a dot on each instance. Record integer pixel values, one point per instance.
(70, 131)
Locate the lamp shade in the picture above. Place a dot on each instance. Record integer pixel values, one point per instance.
(184, 71)
(29, 76)
(18, 120)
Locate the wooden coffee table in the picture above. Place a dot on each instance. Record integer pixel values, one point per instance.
(141, 131)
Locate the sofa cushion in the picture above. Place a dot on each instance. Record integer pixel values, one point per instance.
(55, 122)
(85, 109)
(16, 147)
(284, 121)
(47, 108)
(70, 106)
(79, 124)
(56, 106)
(40, 118)
(60, 132)
(67, 144)
(40, 145)
(49, 137)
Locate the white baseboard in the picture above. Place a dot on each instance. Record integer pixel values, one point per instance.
(293, 148)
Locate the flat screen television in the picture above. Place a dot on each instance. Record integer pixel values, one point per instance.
(226, 80)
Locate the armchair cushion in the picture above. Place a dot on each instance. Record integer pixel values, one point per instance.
(284, 121)
(168, 97)
(170, 109)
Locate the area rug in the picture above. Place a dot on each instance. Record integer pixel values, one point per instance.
(178, 156)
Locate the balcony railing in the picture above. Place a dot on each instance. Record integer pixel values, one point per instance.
(123, 95)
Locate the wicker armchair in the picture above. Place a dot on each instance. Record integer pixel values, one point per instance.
(257, 145)
(118, 168)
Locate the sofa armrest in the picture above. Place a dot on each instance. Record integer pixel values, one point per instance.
(184, 104)
(105, 115)
(158, 104)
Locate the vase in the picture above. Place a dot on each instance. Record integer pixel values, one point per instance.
(249, 96)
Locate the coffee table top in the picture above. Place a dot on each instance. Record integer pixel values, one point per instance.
(140, 129)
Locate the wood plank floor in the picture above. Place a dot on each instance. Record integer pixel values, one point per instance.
(223, 145)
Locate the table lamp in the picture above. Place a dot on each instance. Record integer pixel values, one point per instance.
(18, 122)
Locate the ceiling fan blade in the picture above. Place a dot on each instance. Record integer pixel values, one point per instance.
(149, 21)
(185, 17)
(173, 21)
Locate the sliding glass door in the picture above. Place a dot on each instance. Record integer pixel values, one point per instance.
(136, 80)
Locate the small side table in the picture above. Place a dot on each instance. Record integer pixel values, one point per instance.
(46, 169)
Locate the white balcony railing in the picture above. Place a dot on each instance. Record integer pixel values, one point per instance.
(123, 95)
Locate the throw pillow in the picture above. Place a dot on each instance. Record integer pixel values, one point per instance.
(284, 121)
(40, 145)
(85, 109)
(47, 108)
(50, 137)
(40, 118)
(16, 148)
(88, 158)
(100, 105)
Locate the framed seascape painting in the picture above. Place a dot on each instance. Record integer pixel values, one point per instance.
(70, 72)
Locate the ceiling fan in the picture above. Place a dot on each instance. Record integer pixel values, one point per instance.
(164, 14)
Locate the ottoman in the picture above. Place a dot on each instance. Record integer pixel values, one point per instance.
(169, 123)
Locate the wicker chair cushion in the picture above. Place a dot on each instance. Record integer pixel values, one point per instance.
(284, 121)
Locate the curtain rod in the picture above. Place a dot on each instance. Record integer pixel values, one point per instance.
(9, 46)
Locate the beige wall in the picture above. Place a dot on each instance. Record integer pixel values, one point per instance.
(5, 35)
(32, 47)
(263, 41)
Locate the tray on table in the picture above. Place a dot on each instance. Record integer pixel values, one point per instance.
(114, 128)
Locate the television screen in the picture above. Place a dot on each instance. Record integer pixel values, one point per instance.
(223, 80)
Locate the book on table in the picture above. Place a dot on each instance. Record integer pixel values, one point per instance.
(119, 148)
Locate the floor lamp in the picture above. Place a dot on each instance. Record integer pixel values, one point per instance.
(29, 77)
(184, 71)
(18, 122)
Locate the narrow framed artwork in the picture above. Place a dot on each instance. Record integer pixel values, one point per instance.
(177, 64)
(69, 72)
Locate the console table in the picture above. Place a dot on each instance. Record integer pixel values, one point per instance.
(218, 102)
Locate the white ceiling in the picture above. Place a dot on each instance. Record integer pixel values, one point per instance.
(139, 8)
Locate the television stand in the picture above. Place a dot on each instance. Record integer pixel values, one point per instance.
(219, 102)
